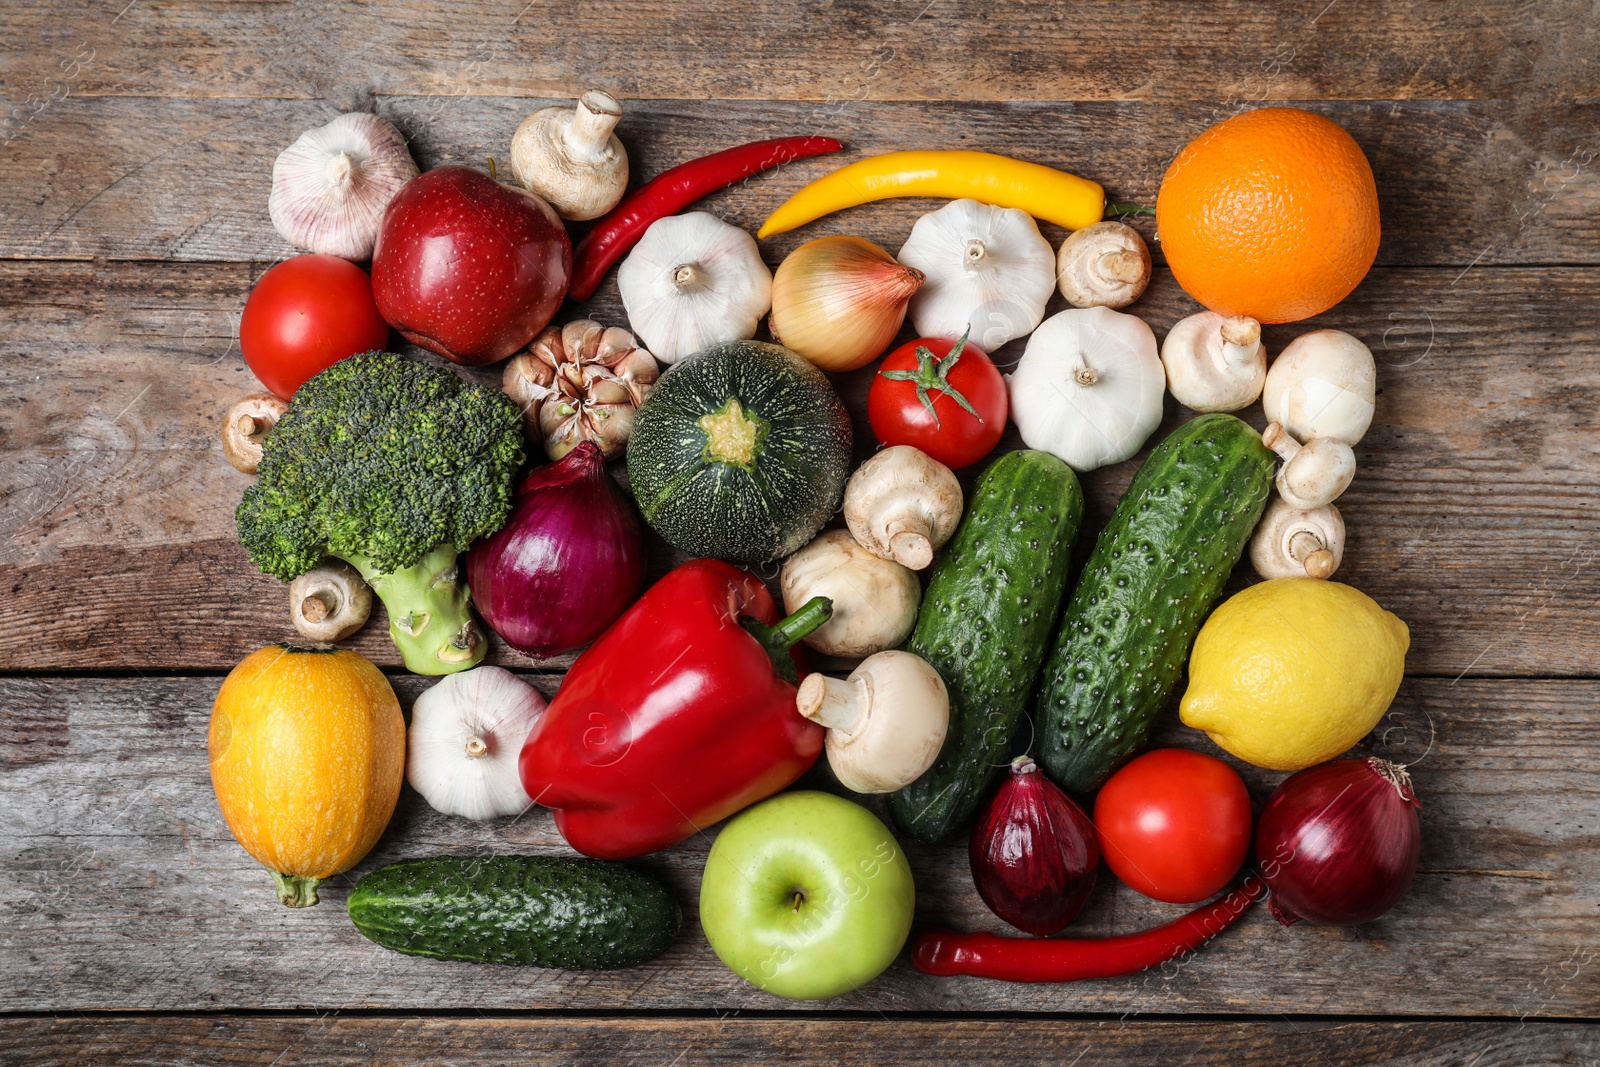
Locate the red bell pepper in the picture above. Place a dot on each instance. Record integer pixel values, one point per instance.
(682, 713)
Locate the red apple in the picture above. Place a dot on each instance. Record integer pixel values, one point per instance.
(469, 267)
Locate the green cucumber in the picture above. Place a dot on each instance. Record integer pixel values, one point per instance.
(1156, 570)
(541, 911)
(984, 624)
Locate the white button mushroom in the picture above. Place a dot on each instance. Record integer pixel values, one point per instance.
(329, 602)
(875, 600)
(569, 156)
(885, 723)
(1215, 363)
(1104, 265)
(902, 504)
(1314, 473)
(1294, 542)
(1324, 384)
(245, 426)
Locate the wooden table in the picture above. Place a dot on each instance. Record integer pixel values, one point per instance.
(133, 179)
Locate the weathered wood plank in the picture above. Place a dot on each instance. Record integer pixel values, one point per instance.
(906, 49)
(125, 891)
(1483, 182)
(254, 1041)
(1470, 518)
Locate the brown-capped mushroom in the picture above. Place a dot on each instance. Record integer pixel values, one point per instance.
(1103, 265)
(329, 602)
(569, 156)
(1215, 363)
(1314, 473)
(875, 600)
(244, 427)
(886, 723)
(1296, 542)
(902, 504)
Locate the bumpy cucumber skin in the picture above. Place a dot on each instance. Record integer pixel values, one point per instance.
(541, 911)
(984, 624)
(1155, 573)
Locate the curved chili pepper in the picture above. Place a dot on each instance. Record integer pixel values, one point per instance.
(1065, 959)
(670, 192)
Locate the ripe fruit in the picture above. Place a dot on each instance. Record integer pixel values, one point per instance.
(305, 315)
(1271, 214)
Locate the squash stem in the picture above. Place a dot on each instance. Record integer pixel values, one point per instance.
(296, 890)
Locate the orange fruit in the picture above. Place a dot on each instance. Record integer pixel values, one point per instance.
(1272, 214)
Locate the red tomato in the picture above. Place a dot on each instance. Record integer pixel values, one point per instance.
(305, 315)
(916, 399)
(1174, 824)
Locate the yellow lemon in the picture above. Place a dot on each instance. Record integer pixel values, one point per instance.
(1292, 672)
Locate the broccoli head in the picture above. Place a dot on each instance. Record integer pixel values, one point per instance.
(394, 466)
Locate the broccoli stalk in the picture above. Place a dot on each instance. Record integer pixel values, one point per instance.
(395, 467)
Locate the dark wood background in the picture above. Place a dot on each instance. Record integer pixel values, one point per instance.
(136, 143)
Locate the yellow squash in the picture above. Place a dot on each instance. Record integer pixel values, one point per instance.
(307, 755)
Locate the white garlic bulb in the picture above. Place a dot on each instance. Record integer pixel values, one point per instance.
(465, 741)
(330, 188)
(988, 268)
(691, 282)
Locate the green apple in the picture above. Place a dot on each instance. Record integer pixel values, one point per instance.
(807, 896)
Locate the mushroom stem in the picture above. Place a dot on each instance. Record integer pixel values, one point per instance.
(834, 703)
(1241, 340)
(910, 544)
(1308, 548)
(589, 133)
(318, 606)
(1122, 265)
(1277, 438)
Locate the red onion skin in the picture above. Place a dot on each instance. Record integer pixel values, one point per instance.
(568, 561)
(1033, 853)
(1338, 844)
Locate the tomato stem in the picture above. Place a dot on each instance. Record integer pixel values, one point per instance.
(933, 374)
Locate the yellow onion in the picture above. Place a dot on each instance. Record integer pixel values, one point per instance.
(839, 301)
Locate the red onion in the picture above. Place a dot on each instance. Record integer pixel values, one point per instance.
(1033, 852)
(566, 564)
(1337, 844)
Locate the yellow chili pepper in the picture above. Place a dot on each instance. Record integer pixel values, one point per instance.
(1043, 192)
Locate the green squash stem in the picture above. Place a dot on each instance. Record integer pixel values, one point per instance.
(296, 890)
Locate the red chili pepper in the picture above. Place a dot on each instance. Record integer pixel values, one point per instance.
(1065, 959)
(682, 713)
(670, 192)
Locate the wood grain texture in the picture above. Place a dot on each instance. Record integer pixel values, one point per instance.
(1483, 182)
(1471, 517)
(124, 889)
(901, 49)
(234, 1041)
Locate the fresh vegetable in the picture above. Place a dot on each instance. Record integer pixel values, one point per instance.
(1291, 672)
(885, 722)
(394, 467)
(984, 624)
(1323, 384)
(540, 911)
(673, 190)
(466, 736)
(1272, 213)
(570, 157)
(1315, 473)
(1338, 844)
(580, 382)
(839, 301)
(1043, 192)
(1033, 853)
(306, 747)
(1215, 363)
(903, 505)
(469, 268)
(304, 315)
(989, 271)
(1088, 388)
(329, 602)
(1104, 265)
(679, 715)
(1157, 568)
(806, 896)
(1073, 959)
(941, 396)
(874, 599)
(740, 453)
(330, 188)
(694, 281)
(568, 561)
(1293, 542)
(244, 426)
(1174, 824)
